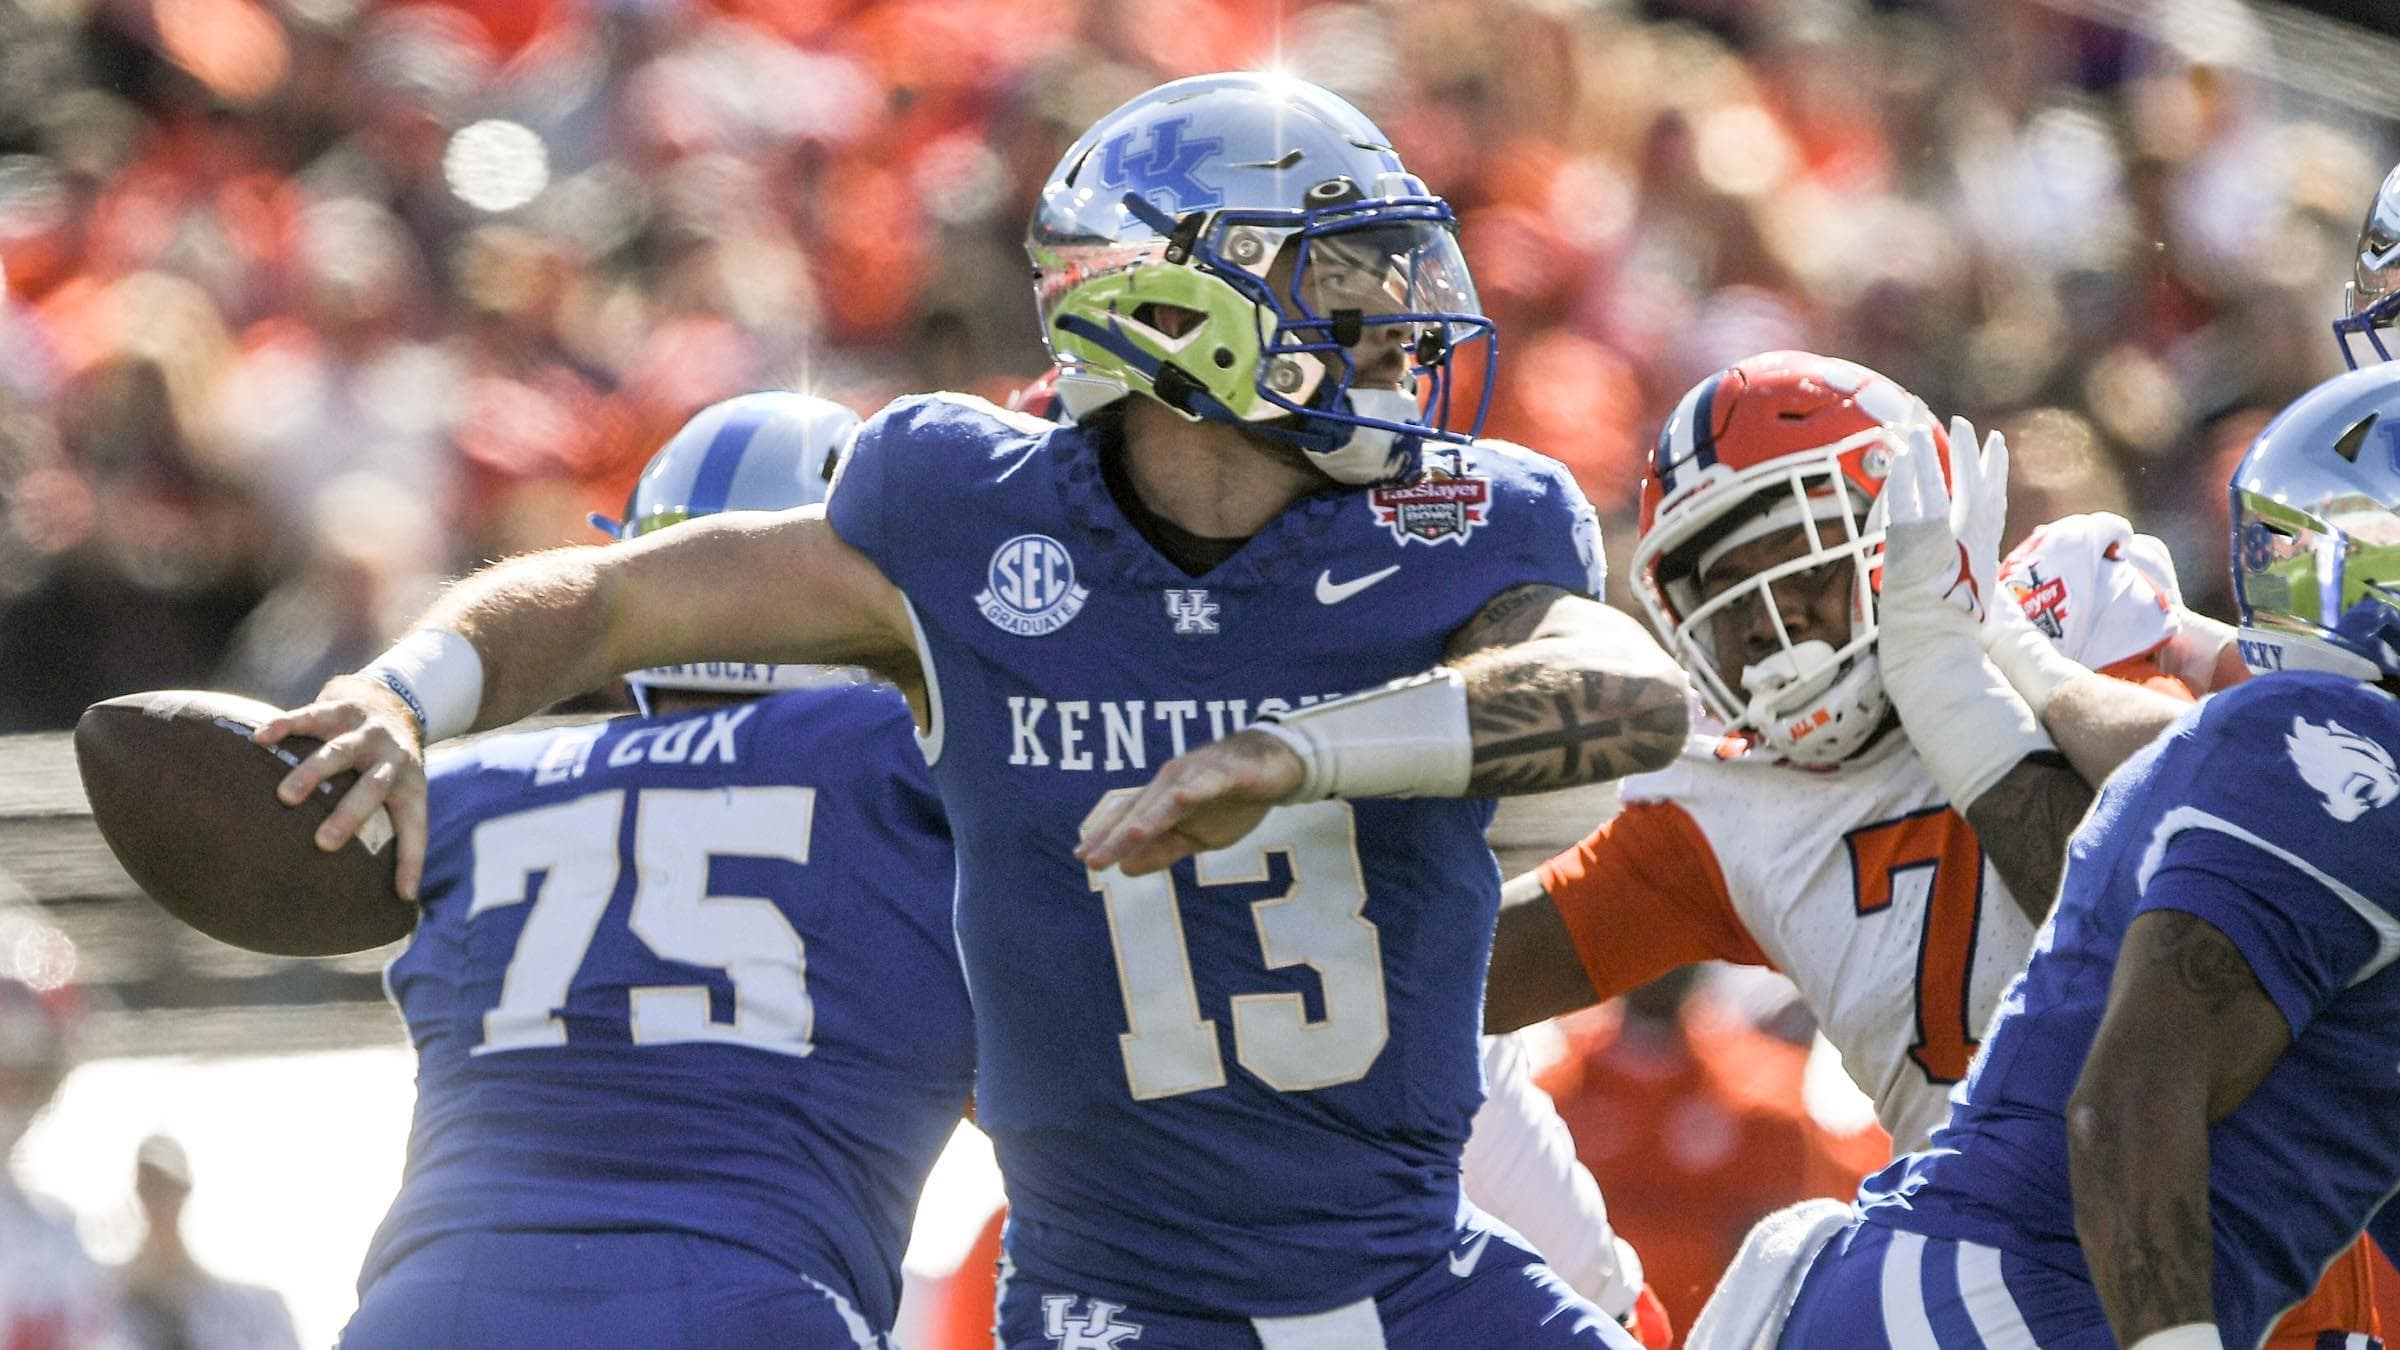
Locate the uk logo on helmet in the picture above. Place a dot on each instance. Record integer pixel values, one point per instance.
(1167, 172)
(1030, 588)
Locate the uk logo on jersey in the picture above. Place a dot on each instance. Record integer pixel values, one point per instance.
(1192, 611)
(1433, 508)
(1030, 588)
(1097, 1329)
(2352, 773)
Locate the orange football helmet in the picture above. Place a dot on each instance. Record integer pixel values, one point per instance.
(1780, 440)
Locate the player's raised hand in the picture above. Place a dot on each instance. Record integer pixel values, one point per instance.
(1942, 539)
(365, 727)
(1202, 799)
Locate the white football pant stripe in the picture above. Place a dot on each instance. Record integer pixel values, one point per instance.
(1989, 1306)
(1904, 1320)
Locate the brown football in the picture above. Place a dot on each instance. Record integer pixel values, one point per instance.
(186, 800)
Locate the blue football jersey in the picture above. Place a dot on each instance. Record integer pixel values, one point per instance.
(2268, 812)
(1239, 1086)
(688, 973)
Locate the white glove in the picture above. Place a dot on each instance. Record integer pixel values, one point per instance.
(1940, 566)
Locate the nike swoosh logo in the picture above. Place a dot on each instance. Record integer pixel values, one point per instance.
(1462, 1264)
(1331, 592)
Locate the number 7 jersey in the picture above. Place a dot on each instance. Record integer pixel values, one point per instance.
(688, 973)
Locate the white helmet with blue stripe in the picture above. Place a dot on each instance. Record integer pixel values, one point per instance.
(757, 452)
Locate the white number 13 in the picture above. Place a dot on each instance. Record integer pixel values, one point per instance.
(1319, 922)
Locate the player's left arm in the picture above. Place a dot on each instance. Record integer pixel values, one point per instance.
(1563, 690)
(2022, 824)
(1520, 1167)
(2188, 1034)
(1542, 688)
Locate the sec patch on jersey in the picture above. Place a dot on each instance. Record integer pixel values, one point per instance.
(186, 800)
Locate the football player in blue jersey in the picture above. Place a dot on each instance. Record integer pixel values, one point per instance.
(688, 1014)
(2188, 1105)
(1216, 682)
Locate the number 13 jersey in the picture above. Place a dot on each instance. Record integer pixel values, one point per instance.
(1239, 1086)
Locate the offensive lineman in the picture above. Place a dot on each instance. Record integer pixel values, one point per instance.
(688, 1015)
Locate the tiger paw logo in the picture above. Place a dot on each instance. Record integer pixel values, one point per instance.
(1097, 1329)
(2352, 773)
(1433, 508)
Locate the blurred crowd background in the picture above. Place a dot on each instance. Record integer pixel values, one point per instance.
(306, 305)
(311, 303)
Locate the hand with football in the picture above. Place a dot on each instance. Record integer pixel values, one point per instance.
(366, 729)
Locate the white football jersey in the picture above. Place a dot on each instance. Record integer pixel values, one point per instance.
(1857, 882)
(1869, 893)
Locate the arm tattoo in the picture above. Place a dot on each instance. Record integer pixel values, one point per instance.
(2158, 1259)
(2023, 822)
(1554, 706)
(2205, 962)
(1540, 728)
(1511, 616)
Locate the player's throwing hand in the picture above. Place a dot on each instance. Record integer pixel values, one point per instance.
(366, 727)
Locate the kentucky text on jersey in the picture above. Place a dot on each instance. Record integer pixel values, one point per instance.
(1042, 731)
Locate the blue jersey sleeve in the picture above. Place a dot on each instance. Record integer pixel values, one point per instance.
(854, 503)
(1556, 536)
(2284, 831)
(912, 467)
(2302, 941)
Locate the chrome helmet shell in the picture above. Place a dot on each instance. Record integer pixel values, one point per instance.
(1247, 248)
(2316, 531)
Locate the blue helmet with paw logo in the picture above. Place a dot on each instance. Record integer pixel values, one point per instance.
(1247, 248)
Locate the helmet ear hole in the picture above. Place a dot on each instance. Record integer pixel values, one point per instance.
(1172, 320)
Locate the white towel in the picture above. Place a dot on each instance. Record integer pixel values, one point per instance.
(1750, 1304)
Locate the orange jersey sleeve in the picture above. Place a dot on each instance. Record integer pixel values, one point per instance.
(1642, 895)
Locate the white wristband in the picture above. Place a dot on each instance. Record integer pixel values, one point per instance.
(2032, 663)
(438, 674)
(1969, 728)
(2189, 1336)
(1407, 739)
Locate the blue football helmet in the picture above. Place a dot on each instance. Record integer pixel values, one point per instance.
(2316, 531)
(1247, 248)
(757, 452)
(2372, 299)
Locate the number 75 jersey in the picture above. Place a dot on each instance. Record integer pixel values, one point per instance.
(688, 973)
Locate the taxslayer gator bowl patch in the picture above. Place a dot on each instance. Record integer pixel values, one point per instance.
(1433, 508)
